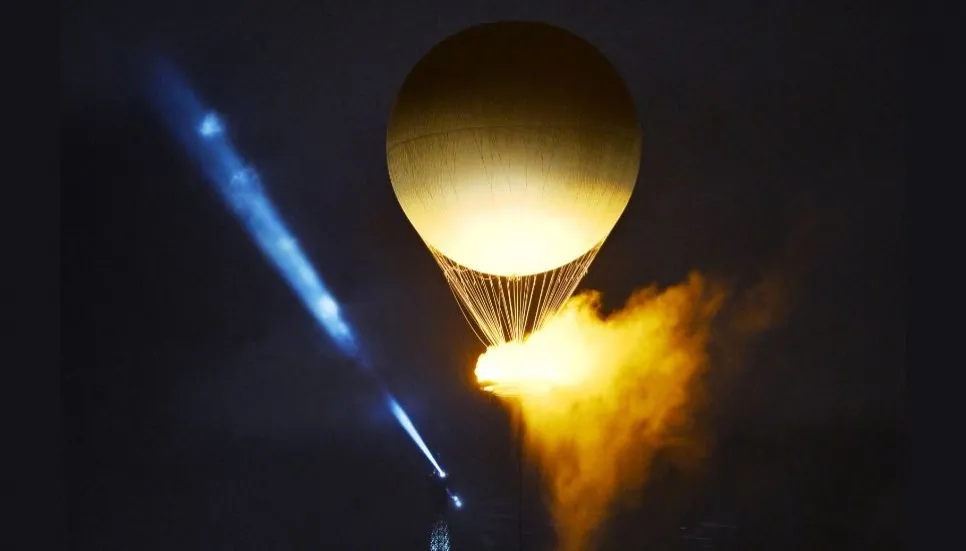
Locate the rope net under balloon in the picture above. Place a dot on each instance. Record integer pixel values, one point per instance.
(506, 308)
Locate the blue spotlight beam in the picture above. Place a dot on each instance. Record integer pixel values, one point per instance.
(202, 133)
(407, 425)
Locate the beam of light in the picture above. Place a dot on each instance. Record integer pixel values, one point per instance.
(202, 132)
(408, 426)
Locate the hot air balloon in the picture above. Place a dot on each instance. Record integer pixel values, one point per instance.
(513, 149)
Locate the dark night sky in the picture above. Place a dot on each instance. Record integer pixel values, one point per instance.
(204, 410)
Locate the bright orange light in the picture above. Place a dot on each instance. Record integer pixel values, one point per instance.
(540, 364)
(601, 394)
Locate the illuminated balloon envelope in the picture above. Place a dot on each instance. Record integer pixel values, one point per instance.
(513, 149)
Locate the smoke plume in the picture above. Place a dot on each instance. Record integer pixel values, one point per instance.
(602, 394)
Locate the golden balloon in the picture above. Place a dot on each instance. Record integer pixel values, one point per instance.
(513, 149)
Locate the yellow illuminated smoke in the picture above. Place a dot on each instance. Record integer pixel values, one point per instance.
(601, 394)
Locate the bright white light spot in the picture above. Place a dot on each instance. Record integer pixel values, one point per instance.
(210, 126)
(328, 307)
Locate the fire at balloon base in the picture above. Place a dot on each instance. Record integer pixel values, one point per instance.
(601, 394)
(531, 367)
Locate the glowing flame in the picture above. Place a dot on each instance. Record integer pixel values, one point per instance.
(600, 395)
(539, 364)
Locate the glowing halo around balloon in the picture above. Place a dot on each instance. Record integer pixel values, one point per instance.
(513, 149)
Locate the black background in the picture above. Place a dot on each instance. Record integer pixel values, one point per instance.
(204, 410)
